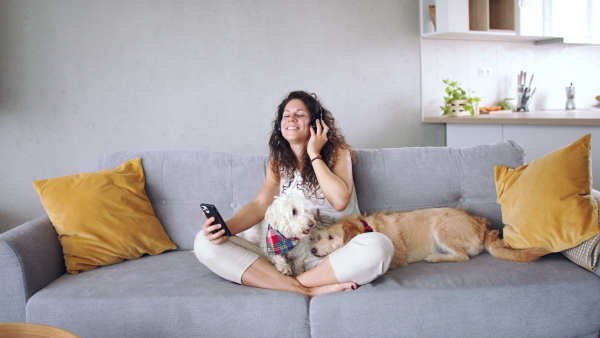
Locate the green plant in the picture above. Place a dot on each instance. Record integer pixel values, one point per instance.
(507, 105)
(454, 92)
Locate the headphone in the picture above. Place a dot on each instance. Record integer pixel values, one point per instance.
(313, 121)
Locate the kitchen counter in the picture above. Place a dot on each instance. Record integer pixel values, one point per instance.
(539, 132)
(545, 117)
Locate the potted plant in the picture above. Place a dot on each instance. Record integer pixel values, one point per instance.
(456, 101)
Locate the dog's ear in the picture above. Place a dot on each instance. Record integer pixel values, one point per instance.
(350, 231)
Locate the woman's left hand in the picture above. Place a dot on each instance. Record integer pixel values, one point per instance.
(317, 139)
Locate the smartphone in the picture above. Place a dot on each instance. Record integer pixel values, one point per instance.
(209, 211)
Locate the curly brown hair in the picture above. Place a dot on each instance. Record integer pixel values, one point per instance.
(283, 160)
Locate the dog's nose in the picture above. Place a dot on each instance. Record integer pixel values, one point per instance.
(314, 251)
(310, 225)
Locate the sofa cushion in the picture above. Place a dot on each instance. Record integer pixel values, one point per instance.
(548, 203)
(587, 253)
(177, 182)
(413, 178)
(482, 297)
(103, 217)
(168, 295)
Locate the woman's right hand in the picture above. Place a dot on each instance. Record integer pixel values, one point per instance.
(216, 238)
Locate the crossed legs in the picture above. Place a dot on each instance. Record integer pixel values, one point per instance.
(240, 261)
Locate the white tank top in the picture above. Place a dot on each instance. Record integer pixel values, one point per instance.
(321, 208)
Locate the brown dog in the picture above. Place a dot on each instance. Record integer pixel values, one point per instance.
(432, 235)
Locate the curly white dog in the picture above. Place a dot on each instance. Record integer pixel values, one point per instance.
(286, 226)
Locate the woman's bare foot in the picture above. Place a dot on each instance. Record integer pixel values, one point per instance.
(262, 274)
(321, 290)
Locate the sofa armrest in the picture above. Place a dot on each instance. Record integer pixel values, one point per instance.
(30, 258)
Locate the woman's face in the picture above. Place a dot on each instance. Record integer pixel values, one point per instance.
(295, 122)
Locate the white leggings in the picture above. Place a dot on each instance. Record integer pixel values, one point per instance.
(366, 257)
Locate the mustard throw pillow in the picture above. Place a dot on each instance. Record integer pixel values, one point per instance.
(103, 217)
(548, 202)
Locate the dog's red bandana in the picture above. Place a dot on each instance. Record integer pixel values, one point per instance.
(278, 244)
(367, 227)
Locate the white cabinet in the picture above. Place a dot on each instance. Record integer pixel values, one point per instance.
(470, 19)
(574, 21)
(538, 140)
(542, 21)
(473, 20)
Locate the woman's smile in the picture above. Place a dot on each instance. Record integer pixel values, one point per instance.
(296, 121)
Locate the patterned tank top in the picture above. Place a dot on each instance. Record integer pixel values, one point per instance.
(321, 208)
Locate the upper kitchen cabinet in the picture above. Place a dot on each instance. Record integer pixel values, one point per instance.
(574, 21)
(498, 20)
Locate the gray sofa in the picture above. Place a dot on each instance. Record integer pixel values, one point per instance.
(173, 295)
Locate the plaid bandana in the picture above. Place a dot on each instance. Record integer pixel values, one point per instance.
(278, 244)
(367, 226)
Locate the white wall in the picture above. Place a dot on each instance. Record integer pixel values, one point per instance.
(555, 66)
(79, 78)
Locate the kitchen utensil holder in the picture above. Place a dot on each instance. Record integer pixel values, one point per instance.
(523, 99)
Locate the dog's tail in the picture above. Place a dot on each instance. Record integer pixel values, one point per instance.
(497, 248)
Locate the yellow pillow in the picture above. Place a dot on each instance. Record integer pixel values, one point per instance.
(103, 217)
(548, 202)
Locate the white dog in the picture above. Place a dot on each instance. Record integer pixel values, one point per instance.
(286, 226)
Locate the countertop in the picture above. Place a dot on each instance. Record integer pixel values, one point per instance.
(554, 117)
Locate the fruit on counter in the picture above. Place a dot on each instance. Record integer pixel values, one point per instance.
(495, 108)
(598, 98)
(506, 104)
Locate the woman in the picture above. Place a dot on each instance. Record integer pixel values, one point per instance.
(318, 162)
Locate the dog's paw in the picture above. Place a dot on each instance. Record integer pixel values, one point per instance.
(451, 257)
(297, 270)
(280, 263)
(284, 269)
(436, 258)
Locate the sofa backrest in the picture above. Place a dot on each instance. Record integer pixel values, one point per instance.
(178, 181)
(399, 179)
(406, 179)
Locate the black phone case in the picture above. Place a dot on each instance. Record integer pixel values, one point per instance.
(211, 211)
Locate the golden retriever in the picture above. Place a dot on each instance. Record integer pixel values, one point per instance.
(432, 235)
